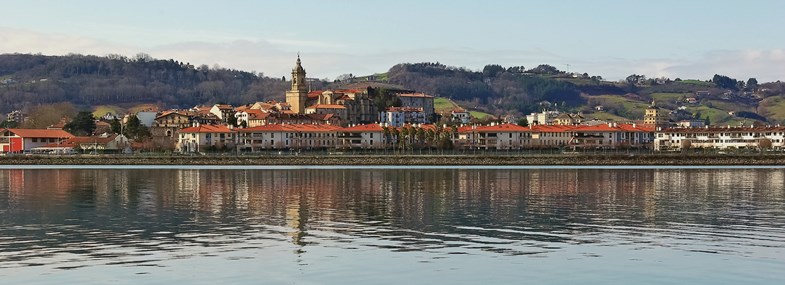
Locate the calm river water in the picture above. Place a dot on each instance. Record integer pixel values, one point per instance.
(392, 226)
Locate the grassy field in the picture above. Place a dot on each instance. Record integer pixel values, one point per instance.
(441, 104)
(697, 82)
(673, 97)
(605, 116)
(716, 116)
(480, 115)
(103, 109)
(620, 103)
(773, 108)
(729, 106)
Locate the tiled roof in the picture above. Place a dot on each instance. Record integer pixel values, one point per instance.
(41, 133)
(75, 141)
(725, 130)
(363, 128)
(327, 106)
(207, 129)
(290, 128)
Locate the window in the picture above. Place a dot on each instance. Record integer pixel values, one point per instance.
(35, 139)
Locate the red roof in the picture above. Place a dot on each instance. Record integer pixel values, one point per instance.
(41, 133)
(327, 106)
(557, 128)
(363, 128)
(290, 128)
(207, 129)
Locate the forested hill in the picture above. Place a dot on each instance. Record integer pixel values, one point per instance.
(29, 80)
(90, 81)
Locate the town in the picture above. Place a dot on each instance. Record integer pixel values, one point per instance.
(348, 119)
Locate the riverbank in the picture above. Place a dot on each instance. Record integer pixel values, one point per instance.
(434, 160)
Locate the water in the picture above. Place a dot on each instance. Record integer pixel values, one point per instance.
(392, 226)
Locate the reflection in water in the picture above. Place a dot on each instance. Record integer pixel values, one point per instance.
(72, 219)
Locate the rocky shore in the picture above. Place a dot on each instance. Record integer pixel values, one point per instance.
(430, 160)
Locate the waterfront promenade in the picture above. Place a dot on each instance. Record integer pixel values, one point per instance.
(396, 159)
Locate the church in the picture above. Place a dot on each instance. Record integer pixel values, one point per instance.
(350, 106)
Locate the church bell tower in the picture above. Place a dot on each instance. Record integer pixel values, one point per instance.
(298, 94)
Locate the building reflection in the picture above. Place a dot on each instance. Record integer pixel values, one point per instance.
(383, 202)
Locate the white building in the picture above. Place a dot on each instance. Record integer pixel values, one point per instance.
(720, 138)
(200, 138)
(399, 116)
(370, 136)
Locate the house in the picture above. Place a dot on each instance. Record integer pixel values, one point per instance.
(222, 111)
(200, 138)
(369, 136)
(25, 140)
(692, 100)
(694, 123)
(104, 143)
(612, 136)
(418, 100)
(568, 119)
(544, 118)
(460, 115)
(399, 116)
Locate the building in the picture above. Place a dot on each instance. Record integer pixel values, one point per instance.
(222, 111)
(399, 116)
(543, 118)
(691, 123)
(460, 115)
(656, 116)
(25, 140)
(677, 139)
(201, 138)
(16, 116)
(568, 119)
(612, 136)
(280, 136)
(418, 100)
(369, 136)
(338, 111)
(297, 96)
(105, 143)
(497, 137)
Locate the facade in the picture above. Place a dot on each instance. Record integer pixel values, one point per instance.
(106, 143)
(656, 116)
(336, 110)
(543, 118)
(223, 112)
(200, 138)
(297, 96)
(25, 140)
(460, 115)
(498, 137)
(399, 116)
(677, 139)
(418, 100)
(279, 137)
(370, 136)
(691, 124)
(568, 119)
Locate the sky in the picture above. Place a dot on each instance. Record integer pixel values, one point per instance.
(688, 39)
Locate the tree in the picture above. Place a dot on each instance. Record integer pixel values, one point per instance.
(117, 128)
(725, 82)
(523, 122)
(545, 69)
(135, 130)
(492, 70)
(9, 124)
(82, 125)
(752, 84)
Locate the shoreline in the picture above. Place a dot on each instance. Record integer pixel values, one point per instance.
(411, 160)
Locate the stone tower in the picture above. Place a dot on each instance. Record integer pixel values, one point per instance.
(298, 94)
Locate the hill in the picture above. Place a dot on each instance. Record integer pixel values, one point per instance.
(29, 80)
(117, 83)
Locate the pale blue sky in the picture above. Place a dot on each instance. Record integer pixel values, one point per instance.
(688, 39)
